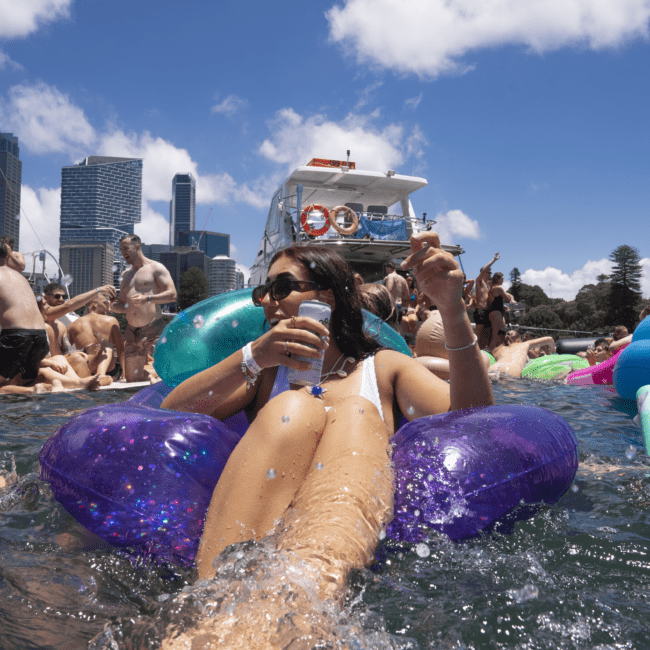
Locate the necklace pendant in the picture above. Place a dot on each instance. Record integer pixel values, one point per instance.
(317, 391)
(341, 373)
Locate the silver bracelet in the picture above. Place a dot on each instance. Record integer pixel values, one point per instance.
(464, 346)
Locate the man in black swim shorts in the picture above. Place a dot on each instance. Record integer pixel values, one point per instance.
(23, 340)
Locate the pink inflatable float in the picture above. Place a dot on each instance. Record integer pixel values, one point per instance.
(601, 373)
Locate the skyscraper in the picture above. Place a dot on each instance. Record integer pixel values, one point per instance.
(223, 275)
(211, 243)
(182, 209)
(101, 201)
(10, 177)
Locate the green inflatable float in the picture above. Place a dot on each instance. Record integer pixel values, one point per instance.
(552, 365)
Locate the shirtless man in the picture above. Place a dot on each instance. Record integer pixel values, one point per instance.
(146, 285)
(15, 259)
(397, 286)
(98, 335)
(23, 341)
(481, 301)
(512, 355)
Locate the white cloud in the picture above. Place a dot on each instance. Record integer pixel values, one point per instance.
(365, 95)
(559, 284)
(7, 62)
(154, 228)
(413, 102)
(296, 139)
(46, 120)
(230, 105)
(244, 269)
(431, 37)
(22, 17)
(39, 225)
(455, 225)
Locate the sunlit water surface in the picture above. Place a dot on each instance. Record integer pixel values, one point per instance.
(576, 575)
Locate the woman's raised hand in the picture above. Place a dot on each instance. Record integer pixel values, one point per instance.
(298, 335)
(436, 271)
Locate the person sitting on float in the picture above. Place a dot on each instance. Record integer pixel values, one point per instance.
(512, 355)
(297, 435)
(599, 353)
(626, 340)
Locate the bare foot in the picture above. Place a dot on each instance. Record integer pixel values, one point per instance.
(40, 388)
(9, 478)
(57, 386)
(91, 383)
(105, 380)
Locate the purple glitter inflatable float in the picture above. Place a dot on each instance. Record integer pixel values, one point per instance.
(142, 477)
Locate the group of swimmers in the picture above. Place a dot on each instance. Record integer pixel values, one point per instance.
(40, 352)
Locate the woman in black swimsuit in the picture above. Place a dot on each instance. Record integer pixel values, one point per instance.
(497, 296)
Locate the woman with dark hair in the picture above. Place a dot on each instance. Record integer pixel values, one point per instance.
(300, 438)
(497, 311)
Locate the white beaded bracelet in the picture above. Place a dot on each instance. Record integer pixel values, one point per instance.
(250, 362)
(464, 346)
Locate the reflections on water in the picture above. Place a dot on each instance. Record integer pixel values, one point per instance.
(573, 576)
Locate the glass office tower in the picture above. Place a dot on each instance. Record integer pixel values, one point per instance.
(182, 209)
(10, 178)
(101, 201)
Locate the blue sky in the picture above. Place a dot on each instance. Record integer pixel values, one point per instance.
(528, 118)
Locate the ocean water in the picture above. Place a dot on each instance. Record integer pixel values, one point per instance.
(574, 576)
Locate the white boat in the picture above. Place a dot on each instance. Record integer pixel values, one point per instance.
(376, 228)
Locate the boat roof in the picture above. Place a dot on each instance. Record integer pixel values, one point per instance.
(335, 186)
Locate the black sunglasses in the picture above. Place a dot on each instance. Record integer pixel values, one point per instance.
(281, 288)
(57, 296)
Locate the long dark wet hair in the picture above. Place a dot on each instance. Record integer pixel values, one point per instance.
(330, 270)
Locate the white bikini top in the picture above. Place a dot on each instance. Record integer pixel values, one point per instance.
(369, 388)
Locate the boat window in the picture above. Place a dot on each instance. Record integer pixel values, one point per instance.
(357, 207)
(378, 209)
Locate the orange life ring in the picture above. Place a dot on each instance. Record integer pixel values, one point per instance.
(352, 228)
(314, 232)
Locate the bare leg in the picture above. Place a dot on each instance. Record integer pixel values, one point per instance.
(333, 525)
(102, 360)
(347, 497)
(80, 363)
(263, 474)
(479, 335)
(497, 323)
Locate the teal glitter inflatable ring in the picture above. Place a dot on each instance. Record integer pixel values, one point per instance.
(208, 332)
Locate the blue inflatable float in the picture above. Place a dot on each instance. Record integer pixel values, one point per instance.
(632, 369)
(142, 477)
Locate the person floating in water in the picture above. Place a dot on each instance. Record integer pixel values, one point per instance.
(311, 457)
(355, 410)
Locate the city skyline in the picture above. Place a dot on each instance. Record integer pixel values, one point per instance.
(528, 119)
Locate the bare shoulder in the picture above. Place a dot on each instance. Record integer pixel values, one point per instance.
(389, 363)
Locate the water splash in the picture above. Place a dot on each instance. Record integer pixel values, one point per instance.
(270, 474)
(67, 280)
(198, 321)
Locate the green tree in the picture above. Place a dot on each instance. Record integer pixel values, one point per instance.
(625, 286)
(193, 288)
(533, 295)
(515, 283)
(542, 316)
